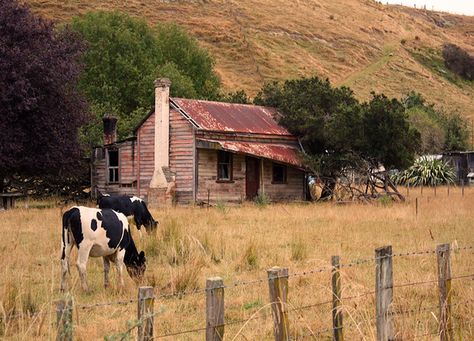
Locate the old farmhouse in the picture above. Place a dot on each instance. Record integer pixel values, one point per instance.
(193, 151)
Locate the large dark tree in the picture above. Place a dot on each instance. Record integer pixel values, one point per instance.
(40, 109)
(341, 136)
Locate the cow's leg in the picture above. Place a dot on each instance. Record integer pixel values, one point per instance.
(106, 271)
(66, 252)
(119, 266)
(82, 258)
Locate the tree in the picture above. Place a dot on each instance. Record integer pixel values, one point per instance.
(40, 107)
(388, 137)
(439, 131)
(339, 134)
(123, 57)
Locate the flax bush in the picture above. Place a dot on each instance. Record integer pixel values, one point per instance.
(426, 171)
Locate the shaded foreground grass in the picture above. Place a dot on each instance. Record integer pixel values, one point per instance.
(239, 244)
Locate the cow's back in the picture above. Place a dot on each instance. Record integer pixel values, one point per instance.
(120, 204)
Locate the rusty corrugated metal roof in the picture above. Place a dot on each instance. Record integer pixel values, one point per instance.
(232, 117)
(273, 151)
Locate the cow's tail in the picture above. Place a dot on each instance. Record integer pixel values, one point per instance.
(66, 238)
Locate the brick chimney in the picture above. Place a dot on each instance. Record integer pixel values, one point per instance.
(110, 129)
(162, 124)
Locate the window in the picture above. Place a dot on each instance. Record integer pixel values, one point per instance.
(224, 166)
(113, 166)
(279, 174)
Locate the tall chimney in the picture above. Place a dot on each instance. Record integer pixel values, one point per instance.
(162, 123)
(110, 129)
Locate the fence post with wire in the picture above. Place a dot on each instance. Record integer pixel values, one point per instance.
(336, 299)
(384, 293)
(214, 309)
(443, 253)
(278, 287)
(145, 313)
(64, 309)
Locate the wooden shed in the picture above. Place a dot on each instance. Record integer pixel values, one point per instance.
(189, 151)
(462, 163)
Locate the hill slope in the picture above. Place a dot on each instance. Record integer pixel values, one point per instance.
(360, 43)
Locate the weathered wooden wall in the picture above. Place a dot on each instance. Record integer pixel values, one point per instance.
(146, 158)
(293, 189)
(182, 156)
(234, 191)
(207, 175)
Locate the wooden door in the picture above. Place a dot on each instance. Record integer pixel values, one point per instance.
(252, 177)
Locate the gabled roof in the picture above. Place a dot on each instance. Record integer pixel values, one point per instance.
(231, 117)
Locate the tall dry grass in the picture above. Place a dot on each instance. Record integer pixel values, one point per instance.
(239, 244)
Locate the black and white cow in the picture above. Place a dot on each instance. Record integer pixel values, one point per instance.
(131, 206)
(99, 233)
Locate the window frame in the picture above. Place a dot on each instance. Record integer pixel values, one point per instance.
(116, 169)
(285, 174)
(230, 165)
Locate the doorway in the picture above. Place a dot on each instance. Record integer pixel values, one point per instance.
(252, 177)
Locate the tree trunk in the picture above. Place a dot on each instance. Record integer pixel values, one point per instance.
(328, 189)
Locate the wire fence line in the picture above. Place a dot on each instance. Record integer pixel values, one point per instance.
(282, 277)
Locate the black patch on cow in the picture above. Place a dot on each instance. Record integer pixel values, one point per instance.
(93, 224)
(113, 227)
(99, 216)
(72, 222)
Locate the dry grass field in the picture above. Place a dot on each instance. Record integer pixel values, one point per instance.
(360, 43)
(239, 244)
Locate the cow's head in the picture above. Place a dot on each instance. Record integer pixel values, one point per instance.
(150, 223)
(136, 266)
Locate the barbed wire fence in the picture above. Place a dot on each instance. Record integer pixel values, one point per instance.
(278, 282)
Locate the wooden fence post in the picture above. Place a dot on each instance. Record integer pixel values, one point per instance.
(384, 293)
(462, 187)
(214, 309)
(448, 189)
(416, 207)
(336, 300)
(64, 319)
(278, 286)
(146, 300)
(444, 283)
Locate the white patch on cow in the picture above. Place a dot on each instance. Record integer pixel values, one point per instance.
(132, 199)
(106, 195)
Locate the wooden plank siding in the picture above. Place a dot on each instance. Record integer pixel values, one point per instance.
(146, 162)
(181, 156)
(207, 175)
(293, 189)
(127, 164)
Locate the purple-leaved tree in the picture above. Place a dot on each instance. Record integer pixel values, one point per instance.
(40, 107)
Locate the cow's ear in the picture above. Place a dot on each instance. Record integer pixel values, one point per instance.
(142, 255)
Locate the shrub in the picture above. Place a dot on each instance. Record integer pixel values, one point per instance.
(262, 199)
(458, 61)
(426, 171)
